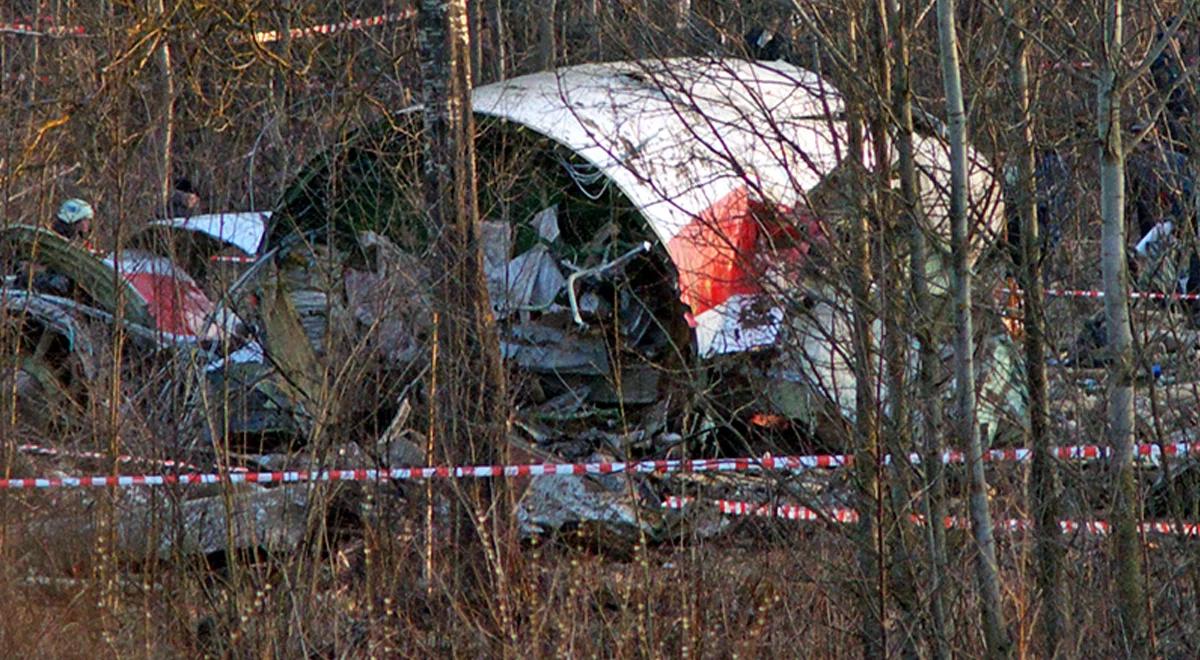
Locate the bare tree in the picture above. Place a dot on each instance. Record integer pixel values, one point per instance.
(497, 32)
(995, 632)
(547, 42)
(892, 293)
(167, 136)
(868, 457)
(1127, 559)
(475, 40)
(469, 401)
(920, 302)
(1043, 480)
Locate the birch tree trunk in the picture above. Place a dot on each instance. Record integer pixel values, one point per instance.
(36, 57)
(1127, 560)
(168, 115)
(469, 406)
(994, 629)
(279, 92)
(932, 502)
(1043, 478)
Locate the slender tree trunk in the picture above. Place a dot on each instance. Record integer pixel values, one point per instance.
(168, 116)
(930, 429)
(1043, 479)
(995, 632)
(280, 95)
(36, 59)
(468, 414)
(546, 42)
(1127, 568)
(896, 436)
(497, 30)
(596, 16)
(867, 455)
(683, 14)
(475, 44)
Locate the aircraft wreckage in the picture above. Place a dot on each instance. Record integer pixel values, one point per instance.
(659, 247)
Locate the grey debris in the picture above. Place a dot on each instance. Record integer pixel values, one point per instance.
(274, 519)
(546, 224)
(497, 246)
(390, 311)
(347, 456)
(536, 333)
(638, 385)
(592, 306)
(554, 503)
(530, 281)
(572, 356)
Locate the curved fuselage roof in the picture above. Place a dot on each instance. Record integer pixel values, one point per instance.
(693, 142)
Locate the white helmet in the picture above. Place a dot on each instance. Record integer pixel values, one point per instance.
(74, 210)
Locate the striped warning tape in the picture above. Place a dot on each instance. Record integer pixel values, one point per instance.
(262, 37)
(1085, 293)
(1077, 66)
(38, 450)
(660, 466)
(31, 30)
(169, 464)
(332, 28)
(846, 516)
(233, 258)
(413, 474)
(1069, 453)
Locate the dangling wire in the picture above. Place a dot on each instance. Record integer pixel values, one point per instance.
(584, 175)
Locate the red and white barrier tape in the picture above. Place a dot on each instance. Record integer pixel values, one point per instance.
(31, 30)
(412, 474)
(847, 516)
(1069, 452)
(1009, 455)
(332, 28)
(233, 258)
(662, 466)
(1077, 65)
(1083, 293)
(169, 464)
(38, 450)
(262, 37)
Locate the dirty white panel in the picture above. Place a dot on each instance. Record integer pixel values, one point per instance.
(241, 230)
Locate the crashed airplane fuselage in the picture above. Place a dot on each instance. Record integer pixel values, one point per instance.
(741, 169)
(700, 207)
